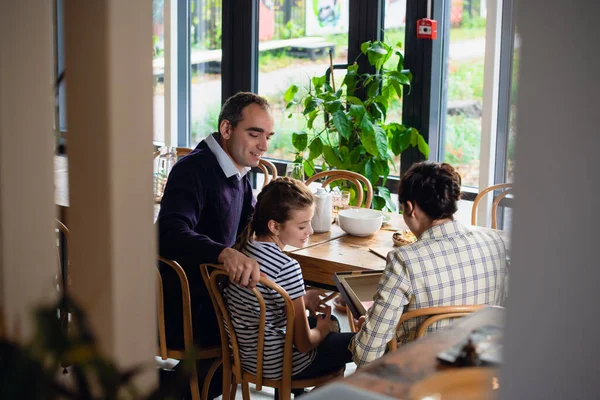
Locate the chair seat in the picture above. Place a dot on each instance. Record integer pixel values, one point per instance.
(201, 353)
(297, 383)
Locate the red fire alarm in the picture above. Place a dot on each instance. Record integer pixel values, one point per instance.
(426, 29)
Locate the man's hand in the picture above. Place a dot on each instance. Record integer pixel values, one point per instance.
(312, 301)
(242, 270)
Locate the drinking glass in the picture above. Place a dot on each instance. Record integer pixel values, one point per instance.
(295, 170)
(340, 201)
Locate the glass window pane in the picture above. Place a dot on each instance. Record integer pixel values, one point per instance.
(295, 38)
(465, 88)
(205, 67)
(394, 32)
(510, 153)
(158, 49)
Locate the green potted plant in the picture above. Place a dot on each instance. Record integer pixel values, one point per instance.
(348, 132)
(33, 370)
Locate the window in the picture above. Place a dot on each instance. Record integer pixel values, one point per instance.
(395, 32)
(158, 51)
(295, 37)
(205, 67)
(464, 88)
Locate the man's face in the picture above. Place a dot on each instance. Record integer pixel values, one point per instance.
(249, 140)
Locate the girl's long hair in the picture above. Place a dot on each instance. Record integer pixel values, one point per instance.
(276, 201)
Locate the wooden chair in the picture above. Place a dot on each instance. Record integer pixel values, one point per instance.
(355, 178)
(62, 276)
(188, 334)
(432, 315)
(180, 151)
(62, 245)
(506, 190)
(267, 167)
(218, 279)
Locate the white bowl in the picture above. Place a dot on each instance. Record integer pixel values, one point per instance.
(360, 221)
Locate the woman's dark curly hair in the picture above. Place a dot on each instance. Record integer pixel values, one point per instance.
(435, 187)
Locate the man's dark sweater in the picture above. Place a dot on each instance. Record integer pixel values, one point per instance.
(202, 212)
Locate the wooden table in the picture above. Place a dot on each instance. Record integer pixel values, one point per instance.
(336, 251)
(395, 373)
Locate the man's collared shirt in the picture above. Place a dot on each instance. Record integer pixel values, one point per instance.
(227, 165)
(450, 264)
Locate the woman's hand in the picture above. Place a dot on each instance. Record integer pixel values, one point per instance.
(358, 323)
(313, 301)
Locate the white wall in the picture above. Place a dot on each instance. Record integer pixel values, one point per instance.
(553, 328)
(27, 241)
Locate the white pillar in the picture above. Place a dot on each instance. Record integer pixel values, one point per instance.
(489, 120)
(109, 95)
(27, 241)
(552, 336)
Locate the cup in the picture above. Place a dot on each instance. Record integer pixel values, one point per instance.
(340, 201)
(295, 170)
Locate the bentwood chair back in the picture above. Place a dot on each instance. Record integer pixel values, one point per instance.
(358, 180)
(188, 333)
(506, 189)
(429, 316)
(267, 167)
(217, 280)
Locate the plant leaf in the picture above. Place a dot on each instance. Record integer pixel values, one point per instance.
(384, 193)
(383, 168)
(345, 157)
(309, 167)
(290, 104)
(290, 93)
(300, 140)
(311, 103)
(381, 141)
(367, 136)
(333, 106)
(365, 47)
(341, 123)
(354, 100)
(355, 154)
(316, 148)
(331, 158)
(311, 118)
(371, 171)
(378, 202)
(372, 89)
(318, 82)
(423, 146)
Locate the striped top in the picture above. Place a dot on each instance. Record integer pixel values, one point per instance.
(450, 264)
(245, 313)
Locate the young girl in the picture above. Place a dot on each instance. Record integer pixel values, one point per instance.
(282, 216)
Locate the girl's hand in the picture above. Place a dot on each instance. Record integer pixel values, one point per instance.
(325, 320)
(312, 301)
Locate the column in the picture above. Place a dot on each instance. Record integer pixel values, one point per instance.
(108, 51)
(27, 241)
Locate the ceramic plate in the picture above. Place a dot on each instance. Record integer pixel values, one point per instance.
(386, 218)
(460, 383)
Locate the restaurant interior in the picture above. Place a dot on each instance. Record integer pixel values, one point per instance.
(99, 99)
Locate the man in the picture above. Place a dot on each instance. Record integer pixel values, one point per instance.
(449, 264)
(207, 203)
